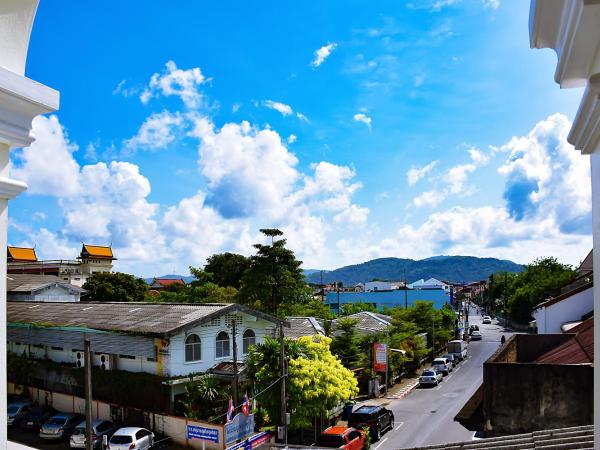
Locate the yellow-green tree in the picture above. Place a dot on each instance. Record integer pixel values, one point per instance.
(316, 382)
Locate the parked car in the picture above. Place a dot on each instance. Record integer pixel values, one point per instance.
(430, 377)
(60, 426)
(131, 438)
(375, 417)
(347, 438)
(36, 417)
(99, 429)
(487, 319)
(16, 411)
(442, 365)
(476, 335)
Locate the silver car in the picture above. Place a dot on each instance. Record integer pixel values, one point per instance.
(442, 365)
(131, 437)
(60, 426)
(100, 428)
(430, 377)
(16, 411)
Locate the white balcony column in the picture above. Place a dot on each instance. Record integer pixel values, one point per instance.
(21, 99)
(572, 29)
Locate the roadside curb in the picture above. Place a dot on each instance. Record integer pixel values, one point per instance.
(404, 391)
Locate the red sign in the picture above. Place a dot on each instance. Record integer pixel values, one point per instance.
(380, 357)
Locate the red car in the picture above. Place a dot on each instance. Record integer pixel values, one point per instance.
(346, 438)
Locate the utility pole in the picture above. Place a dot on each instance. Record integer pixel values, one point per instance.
(505, 301)
(283, 400)
(387, 360)
(235, 368)
(433, 337)
(405, 291)
(87, 355)
(322, 289)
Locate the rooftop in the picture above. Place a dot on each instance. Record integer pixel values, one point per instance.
(130, 317)
(21, 254)
(96, 251)
(369, 322)
(578, 350)
(25, 283)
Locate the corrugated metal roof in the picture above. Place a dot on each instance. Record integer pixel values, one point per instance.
(578, 350)
(17, 282)
(303, 326)
(131, 317)
(369, 322)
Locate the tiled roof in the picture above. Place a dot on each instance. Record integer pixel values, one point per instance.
(24, 283)
(578, 350)
(97, 251)
(132, 317)
(22, 254)
(303, 326)
(587, 265)
(369, 322)
(168, 281)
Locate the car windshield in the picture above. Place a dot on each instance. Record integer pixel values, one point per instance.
(57, 421)
(429, 373)
(120, 439)
(331, 440)
(439, 361)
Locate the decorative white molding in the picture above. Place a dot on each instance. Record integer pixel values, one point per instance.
(572, 29)
(21, 99)
(16, 20)
(585, 132)
(10, 188)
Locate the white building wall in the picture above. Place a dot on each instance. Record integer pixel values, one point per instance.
(207, 334)
(549, 319)
(373, 286)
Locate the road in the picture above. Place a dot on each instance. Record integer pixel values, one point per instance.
(426, 416)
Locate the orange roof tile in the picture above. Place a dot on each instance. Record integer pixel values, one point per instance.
(22, 254)
(97, 251)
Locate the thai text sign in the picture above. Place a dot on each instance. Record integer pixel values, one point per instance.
(203, 433)
(380, 357)
(239, 427)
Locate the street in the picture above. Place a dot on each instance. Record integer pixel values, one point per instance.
(426, 416)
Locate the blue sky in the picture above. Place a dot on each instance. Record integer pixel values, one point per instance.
(362, 130)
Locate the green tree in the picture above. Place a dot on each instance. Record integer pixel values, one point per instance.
(541, 278)
(115, 287)
(309, 308)
(274, 277)
(206, 397)
(345, 344)
(227, 269)
(316, 382)
(348, 309)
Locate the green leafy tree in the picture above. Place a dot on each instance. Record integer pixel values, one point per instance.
(317, 381)
(227, 269)
(543, 277)
(206, 397)
(308, 308)
(274, 277)
(348, 309)
(201, 290)
(346, 342)
(115, 287)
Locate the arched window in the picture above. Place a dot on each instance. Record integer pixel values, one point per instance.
(222, 345)
(193, 348)
(249, 339)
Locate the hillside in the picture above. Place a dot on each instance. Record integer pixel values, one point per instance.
(450, 268)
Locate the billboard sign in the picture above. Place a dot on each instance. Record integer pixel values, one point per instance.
(240, 427)
(203, 433)
(380, 357)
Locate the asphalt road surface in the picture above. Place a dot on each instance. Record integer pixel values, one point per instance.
(426, 415)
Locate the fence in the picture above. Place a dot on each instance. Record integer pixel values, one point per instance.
(173, 427)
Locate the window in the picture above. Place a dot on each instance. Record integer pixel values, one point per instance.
(249, 339)
(222, 344)
(193, 348)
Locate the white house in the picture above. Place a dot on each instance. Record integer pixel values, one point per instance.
(163, 339)
(378, 286)
(572, 29)
(431, 283)
(40, 288)
(571, 306)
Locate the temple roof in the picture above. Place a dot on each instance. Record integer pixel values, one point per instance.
(21, 254)
(96, 251)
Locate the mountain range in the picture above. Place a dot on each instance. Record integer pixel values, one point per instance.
(456, 269)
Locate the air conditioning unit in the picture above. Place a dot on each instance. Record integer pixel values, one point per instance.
(79, 359)
(104, 361)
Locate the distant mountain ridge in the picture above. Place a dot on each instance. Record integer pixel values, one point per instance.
(456, 269)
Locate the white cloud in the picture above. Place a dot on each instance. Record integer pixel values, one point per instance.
(353, 215)
(180, 83)
(491, 4)
(361, 117)
(419, 80)
(415, 174)
(429, 198)
(301, 117)
(478, 156)
(322, 54)
(157, 131)
(292, 138)
(282, 108)
(48, 165)
(235, 107)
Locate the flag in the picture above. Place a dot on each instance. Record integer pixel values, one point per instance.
(230, 411)
(246, 405)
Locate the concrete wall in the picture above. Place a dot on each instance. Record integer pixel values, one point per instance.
(521, 398)
(549, 319)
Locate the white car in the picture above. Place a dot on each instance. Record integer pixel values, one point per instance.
(131, 438)
(476, 335)
(487, 319)
(442, 365)
(430, 377)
